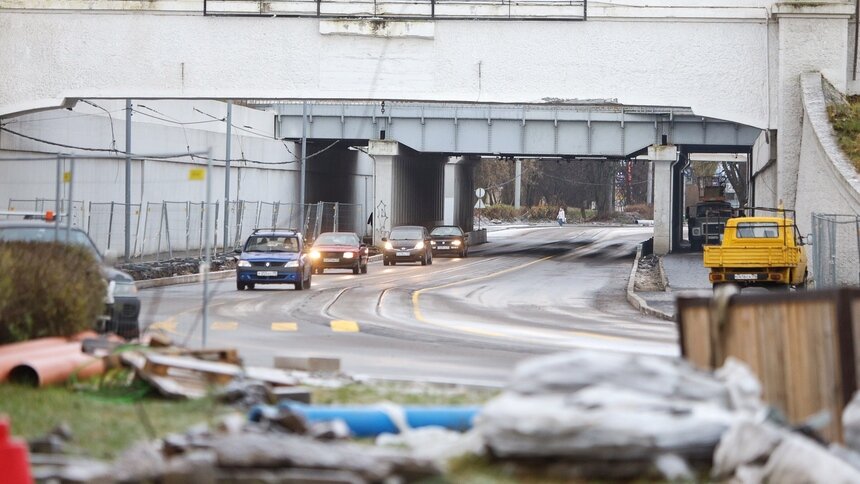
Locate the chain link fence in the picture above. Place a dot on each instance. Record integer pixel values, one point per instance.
(835, 250)
(164, 230)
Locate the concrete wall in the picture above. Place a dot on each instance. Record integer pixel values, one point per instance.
(764, 171)
(827, 180)
(707, 58)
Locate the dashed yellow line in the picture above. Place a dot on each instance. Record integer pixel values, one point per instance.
(225, 326)
(285, 327)
(343, 326)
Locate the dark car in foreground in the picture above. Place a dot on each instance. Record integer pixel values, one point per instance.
(339, 250)
(449, 240)
(122, 306)
(407, 243)
(272, 256)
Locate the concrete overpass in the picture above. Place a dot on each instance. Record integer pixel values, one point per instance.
(730, 63)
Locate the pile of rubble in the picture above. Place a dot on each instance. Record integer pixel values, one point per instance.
(571, 416)
(175, 267)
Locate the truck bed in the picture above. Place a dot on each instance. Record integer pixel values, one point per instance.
(731, 257)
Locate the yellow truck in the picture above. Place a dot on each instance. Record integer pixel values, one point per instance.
(759, 251)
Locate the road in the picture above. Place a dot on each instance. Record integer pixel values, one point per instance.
(528, 291)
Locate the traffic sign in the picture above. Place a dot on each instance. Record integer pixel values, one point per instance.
(479, 204)
(480, 192)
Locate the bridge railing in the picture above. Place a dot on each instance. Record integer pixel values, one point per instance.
(403, 9)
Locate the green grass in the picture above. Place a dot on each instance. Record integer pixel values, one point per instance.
(845, 119)
(104, 422)
(101, 427)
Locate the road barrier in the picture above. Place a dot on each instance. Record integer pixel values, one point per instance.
(801, 345)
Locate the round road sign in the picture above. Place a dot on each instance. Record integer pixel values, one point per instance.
(480, 192)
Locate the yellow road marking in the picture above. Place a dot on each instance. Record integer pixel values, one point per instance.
(344, 326)
(225, 325)
(416, 310)
(285, 326)
(168, 325)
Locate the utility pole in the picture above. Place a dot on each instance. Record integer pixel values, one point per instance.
(128, 180)
(518, 182)
(227, 151)
(304, 154)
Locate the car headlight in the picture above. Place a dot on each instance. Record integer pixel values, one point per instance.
(348, 255)
(315, 254)
(292, 263)
(420, 244)
(124, 289)
(388, 246)
(456, 243)
(432, 242)
(244, 263)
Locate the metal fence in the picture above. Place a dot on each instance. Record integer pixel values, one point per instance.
(835, 250)
(164, 230)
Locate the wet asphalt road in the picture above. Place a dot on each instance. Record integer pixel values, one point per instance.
(528, 291)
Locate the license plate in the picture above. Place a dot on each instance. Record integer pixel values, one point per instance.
(403, 254)
(330, 260)
(267, 273)
(443, 247)
(746, 277)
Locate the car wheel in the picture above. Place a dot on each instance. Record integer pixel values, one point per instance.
(239, 286)
(364, 269)
(430, 259)
(308, 282)
(424, 258)
(356, 269)
(299, 285)
(250, 285)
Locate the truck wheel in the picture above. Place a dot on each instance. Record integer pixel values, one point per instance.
(802, 286)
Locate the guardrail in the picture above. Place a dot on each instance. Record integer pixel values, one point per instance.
(403, 10)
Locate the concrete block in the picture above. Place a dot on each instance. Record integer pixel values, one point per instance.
(312, 364)
(295, 394)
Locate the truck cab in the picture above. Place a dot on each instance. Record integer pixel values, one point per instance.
(759, 251)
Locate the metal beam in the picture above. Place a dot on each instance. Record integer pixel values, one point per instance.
(591, 129)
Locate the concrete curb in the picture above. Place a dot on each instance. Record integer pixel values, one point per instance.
(186, 279)
(637, 301)
(192, 278)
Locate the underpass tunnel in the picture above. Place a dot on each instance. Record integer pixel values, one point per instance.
(337, 174)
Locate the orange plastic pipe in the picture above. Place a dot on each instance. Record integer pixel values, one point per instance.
(48, 369)
(13, 359)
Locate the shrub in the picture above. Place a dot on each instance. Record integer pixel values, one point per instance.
(47, 289)
(502, 212)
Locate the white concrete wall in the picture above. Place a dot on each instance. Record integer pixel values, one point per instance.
(764, 170)
(827, 182)
(711, 60)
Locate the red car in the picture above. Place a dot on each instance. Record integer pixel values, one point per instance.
(339, 250)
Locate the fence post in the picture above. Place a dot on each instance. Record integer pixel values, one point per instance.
(857, 231)
(336, 216)
(832, 253)
(110, 222)
(187, 228)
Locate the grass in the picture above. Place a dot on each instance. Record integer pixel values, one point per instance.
(845, 119)
(101, 427)
(105, 422)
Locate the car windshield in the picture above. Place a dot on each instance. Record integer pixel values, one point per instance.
(47, 234)
(406, 234)
(337, 239)
(446, 231)
(272, 243)
(758, 230)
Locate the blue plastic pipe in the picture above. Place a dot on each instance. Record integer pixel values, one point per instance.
(370, 421)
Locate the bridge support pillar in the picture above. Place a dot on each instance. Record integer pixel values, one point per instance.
(812, 37)
(663, 157)
(459, 185)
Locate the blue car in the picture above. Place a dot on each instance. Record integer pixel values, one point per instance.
(272, 256)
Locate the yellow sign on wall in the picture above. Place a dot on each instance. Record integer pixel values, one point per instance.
(197, 174)
(67, 177)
